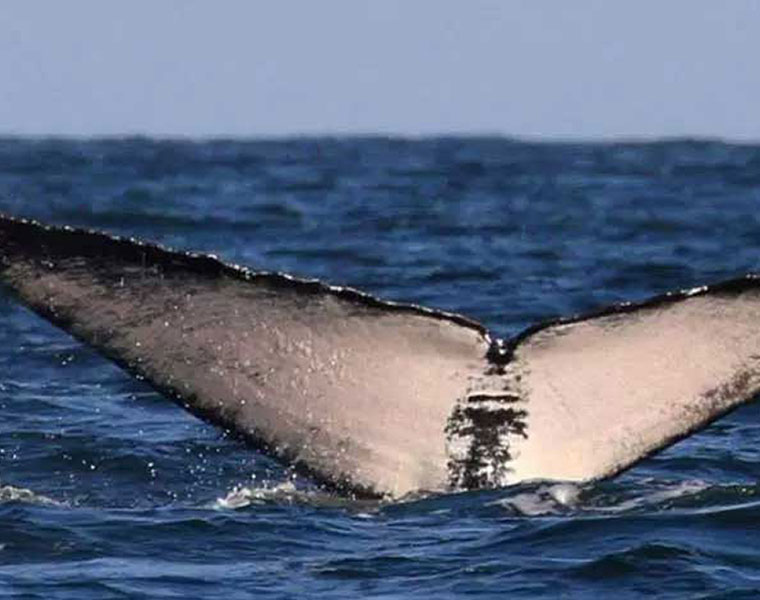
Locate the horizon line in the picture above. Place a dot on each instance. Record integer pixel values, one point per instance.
(379, 135)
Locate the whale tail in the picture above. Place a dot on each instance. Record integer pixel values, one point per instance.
(379, 398)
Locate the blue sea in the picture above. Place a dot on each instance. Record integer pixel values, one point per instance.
(108, 490)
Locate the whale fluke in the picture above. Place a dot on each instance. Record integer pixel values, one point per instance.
(384, 399)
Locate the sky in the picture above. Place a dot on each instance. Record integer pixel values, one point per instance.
(581, 69)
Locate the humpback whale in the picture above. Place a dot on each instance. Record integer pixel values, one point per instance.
(378, 398)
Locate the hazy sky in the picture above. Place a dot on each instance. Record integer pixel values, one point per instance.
(555, 68)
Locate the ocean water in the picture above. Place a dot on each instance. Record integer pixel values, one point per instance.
(107, 490)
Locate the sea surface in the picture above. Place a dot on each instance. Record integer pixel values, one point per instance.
(108, 490)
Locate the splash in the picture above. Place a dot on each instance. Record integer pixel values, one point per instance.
(9, 493)
(657, 495)
(543, 500)
(291, 492)
(605, 499)
(242, 496)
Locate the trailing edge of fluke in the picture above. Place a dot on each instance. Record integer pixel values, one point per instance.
(383, 399)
